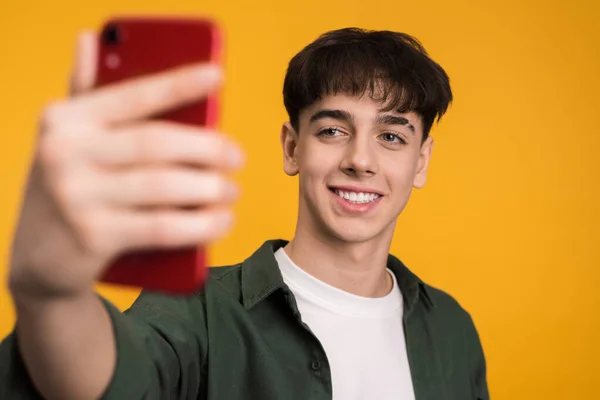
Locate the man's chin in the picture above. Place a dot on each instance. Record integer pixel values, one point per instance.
(355, 234)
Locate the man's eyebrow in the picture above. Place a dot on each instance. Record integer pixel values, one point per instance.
(387, 119)
(340, 115)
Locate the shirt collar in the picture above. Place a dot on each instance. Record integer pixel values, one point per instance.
(260, 274)
(261, 277)
(411, 286)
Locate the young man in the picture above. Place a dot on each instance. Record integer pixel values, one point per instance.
(327, 315)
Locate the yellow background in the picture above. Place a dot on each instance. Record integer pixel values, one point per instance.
(509, 221)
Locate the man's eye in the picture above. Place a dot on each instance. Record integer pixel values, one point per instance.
(330, 132)
(392, 138)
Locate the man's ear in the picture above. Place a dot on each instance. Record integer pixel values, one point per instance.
(423, 163)
(289, 143)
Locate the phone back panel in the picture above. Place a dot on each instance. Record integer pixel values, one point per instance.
(133, 47)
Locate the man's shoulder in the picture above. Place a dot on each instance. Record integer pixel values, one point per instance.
(443, 299)
(447, 308)
(442, 305)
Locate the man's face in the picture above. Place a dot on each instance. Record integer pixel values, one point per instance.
(357, 166)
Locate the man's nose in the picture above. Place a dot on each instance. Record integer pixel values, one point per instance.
(360, 158)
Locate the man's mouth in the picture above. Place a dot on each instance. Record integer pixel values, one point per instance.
(356, 197)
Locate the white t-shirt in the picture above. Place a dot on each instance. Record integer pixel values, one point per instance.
(362, 337)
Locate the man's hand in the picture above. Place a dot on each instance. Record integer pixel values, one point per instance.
(106, 179)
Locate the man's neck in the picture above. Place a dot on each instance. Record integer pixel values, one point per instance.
(357, 268)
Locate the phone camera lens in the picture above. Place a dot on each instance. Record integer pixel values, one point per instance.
(112, 35)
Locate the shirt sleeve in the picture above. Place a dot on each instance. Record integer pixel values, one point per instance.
(478, 363)
(161, 352)
(14, 381)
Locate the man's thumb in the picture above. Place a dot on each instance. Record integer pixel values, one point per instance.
(84, 68)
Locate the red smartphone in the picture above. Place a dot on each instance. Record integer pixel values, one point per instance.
(132, 47)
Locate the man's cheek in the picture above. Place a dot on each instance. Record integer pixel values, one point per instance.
(315, 165)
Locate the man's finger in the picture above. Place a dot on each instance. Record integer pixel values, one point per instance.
(165, 142)
(149, 95)
(168, 228)
(167, 187)
(84, 67)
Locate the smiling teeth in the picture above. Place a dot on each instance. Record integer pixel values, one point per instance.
(357, 198)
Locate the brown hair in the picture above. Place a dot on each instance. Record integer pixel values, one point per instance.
(391, 67)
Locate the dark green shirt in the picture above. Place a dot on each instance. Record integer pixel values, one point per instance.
(242, 337)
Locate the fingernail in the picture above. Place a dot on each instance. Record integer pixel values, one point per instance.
(235, 157)
(226, 219)
(210, 72)
(231, 190)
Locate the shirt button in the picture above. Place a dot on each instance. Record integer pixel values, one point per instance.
(316, 365)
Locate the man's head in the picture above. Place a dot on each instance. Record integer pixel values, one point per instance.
(361, 105)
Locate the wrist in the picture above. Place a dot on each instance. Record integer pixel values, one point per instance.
(30, 301)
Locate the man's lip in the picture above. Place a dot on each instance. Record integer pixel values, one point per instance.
(356, 189)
